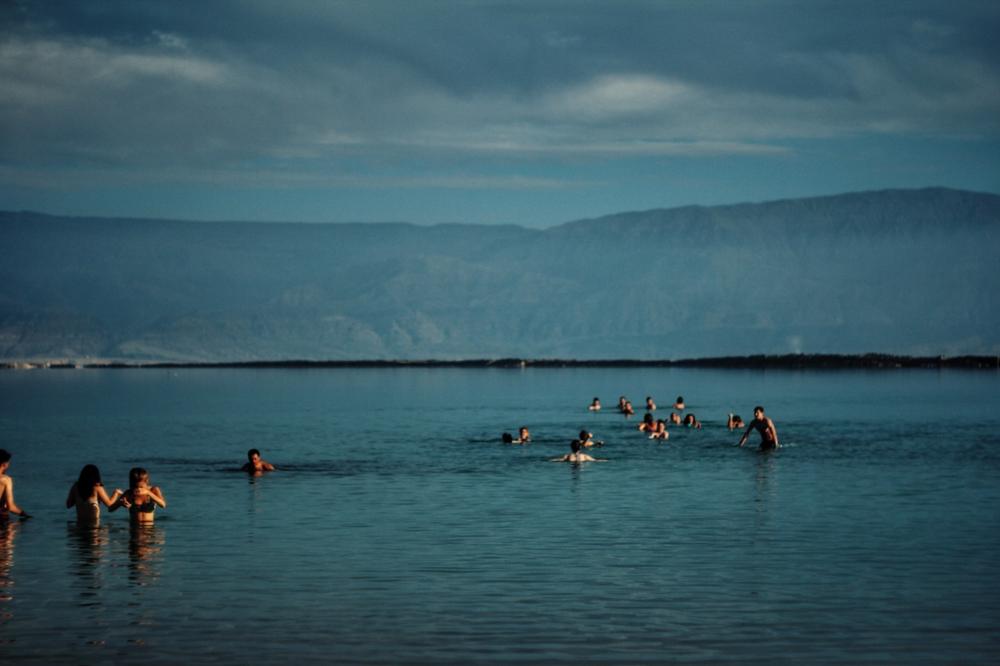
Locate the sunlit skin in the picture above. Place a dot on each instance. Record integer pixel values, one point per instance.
(659, 430)
(765, 426)
(576, 455)
(141, 498)
(255, 464)
(7, 503)
(87, 508)
(595, 406)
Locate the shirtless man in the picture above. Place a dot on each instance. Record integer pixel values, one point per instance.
(256, 464)
(765, 426)
(7, 504)
(575, 455)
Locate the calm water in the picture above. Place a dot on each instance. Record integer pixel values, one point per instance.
(399, 529)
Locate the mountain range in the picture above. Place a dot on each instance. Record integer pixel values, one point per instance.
(896, 271)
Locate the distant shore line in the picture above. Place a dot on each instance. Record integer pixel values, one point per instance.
(756, 361)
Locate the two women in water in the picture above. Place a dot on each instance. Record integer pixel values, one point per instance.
(88, 493)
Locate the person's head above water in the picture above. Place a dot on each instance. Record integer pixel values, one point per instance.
(90, 478)
(758, 412)
(4, 456)
(252, 454)
(137, 475)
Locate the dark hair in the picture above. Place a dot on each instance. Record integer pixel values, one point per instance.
(135, 475)
(680, 398)
(4, 456)
(575, 445)
(90, 478)
(758, 408)
(507, 438)
(251, 453)
(584, 435)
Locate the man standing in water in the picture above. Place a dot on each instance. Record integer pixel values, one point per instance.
(255, 464)
(7, 503)
(765, 426)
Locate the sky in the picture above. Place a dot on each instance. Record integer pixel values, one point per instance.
(532, 113)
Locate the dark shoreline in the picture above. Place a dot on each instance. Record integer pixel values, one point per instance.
(758, 361)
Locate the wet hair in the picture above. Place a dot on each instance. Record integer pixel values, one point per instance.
(522, 428)
(648, 418)
(135, 475)
(575, 446)
(507, 438)
(90, 478)
(4, 456)
(679, 400)
(251, 452)
(758, 408)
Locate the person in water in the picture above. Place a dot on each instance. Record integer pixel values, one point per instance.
(735, 422)
(595, 406)
(7, 504)
(141, 498)
(88, 493)
(679, 402)
(256, 464)
(675, 418)
(575, 455)
(692, 422)
(659, 430)
(650, 405)
(587, 439)
(627, 410)
(622, 401)
(765, 426)
(647, 423)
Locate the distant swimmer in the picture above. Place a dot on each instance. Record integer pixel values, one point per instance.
(659, 430)
(622, 401)
(692, 422)
(628, 411)
(141, 498)
(587, 439)
(256, 464)
(679, 402)
(576, 455)
(650, 405)
(647, 423)
(595, 406)
(675, 418)
(735, 422)
(523, 437)
(7, 504)
(765, 426)
(87, 495)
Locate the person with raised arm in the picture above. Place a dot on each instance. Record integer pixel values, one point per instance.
(88, 493)
(765, 426)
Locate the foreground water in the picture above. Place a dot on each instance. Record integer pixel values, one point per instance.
(399, 529)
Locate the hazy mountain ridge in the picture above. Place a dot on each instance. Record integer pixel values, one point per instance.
(899, 271)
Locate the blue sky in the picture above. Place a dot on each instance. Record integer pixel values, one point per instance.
(531, 113)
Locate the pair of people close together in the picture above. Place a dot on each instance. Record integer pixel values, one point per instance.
(88, 493)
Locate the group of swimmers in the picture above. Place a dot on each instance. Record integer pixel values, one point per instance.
(87, 494)
(657, 428)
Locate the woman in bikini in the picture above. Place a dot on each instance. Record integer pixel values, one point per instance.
(87, 495)
(141, 498)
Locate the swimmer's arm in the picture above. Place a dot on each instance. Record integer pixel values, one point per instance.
(743, 439)
(157, 496)
(7, 490)
(266, 466)
(121, 501)
(774, 431)
(102, 495)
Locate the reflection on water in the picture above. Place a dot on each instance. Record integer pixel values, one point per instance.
(8, 532)
(145, 552)
(89, 542)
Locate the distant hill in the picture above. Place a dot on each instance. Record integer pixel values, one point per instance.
(899, 271)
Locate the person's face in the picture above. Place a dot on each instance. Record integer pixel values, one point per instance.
(255, 459)
(758, 413)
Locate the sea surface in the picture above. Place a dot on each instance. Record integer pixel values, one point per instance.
(399, 529)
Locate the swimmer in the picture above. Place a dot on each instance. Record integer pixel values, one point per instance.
(675, 418)
(87, 495)
(650, 405)
(140, 498)
(679, 402)
(691, 422)
(256, 464)
(587, 439)
(595, 406)
(7, 504)
(622, 401)
(628, 411)
(765, 426)
(523, 436)
(647, 423)
(660, 430)
(735, 421)
(576, 455)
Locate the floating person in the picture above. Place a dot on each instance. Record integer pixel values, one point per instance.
(141, 498)
(7, 504)
(595, 406)
(691, 422)
(576, 455)
(679, 402)
(735, 421)
(765, 426)
(650, 405)
(587, 439)
(523, 437)
(659, 430)
(256, 464)
(647, 423)
(675, 418)
(87, 495)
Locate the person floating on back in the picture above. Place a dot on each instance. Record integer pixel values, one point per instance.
(7, 504)
(256, 464)
(765, 426)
